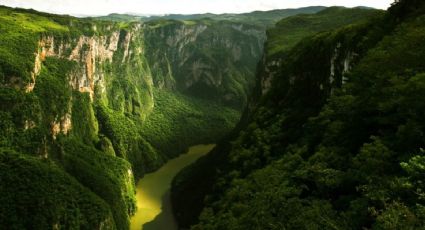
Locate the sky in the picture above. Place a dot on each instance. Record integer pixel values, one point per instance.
(155, 7)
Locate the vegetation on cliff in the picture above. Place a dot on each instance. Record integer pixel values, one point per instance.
(46, 186)
(78, 104)
(180, 121)
(319, 152)
(331, 138)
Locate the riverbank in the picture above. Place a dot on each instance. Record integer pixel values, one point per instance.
(153, 198)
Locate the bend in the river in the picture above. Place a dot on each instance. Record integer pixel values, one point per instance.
(153, 192)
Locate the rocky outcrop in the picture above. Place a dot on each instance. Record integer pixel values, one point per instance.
(218, 58)
(182, 35)
(341, 63)
(126, 45)
(39, 58)
(343, 57)
(269, 71)
(208, 59)
(98, 69)
(88, 52)
(61, 125)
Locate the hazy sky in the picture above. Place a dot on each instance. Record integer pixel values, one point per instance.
(103, 7)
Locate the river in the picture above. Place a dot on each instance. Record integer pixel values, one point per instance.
(153, 192)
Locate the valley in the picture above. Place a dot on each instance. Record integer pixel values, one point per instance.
(106, 122)
(105, 102)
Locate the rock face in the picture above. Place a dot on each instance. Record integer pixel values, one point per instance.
(67, 76)
(118, 68)
(91, 53)
(338, 67)
(211, 60)
(208, 59)
(62, 125)
(98, 67)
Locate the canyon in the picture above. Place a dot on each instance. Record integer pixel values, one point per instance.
(316, 114)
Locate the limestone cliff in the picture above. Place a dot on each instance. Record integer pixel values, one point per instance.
(55, 76)
(214, 60)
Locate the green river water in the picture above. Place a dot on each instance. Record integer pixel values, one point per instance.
(153, 199)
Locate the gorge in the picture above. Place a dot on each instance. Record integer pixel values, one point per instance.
(316, 112)
(153, 200)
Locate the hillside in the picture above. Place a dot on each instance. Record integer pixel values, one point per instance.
(288, 32)
(332, 140)
(82, 108)
(90, 105)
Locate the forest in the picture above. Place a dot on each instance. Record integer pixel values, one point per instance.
(316, 115)
(327, 145)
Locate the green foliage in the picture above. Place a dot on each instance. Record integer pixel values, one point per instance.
(288, 32)
(129, 85)
(127, 141)
(20, 34)
(17, 111)
(179, 121)
(26, 123)
(402, 9)
(84, 123)
(21, 31)
(101, 139)
(47, 197)
(107, 176)
(27, 120)
(317, 155)
(409, 213)
(125, 126)
(53, 87)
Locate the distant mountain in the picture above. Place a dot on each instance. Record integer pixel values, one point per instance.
(121, 17)
(287, 32)
(264, 18)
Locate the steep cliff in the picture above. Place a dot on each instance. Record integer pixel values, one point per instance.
(77, 98)
(295, 78)
(54, 69)
(208, 59)
(207, 55)
(333, 140)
